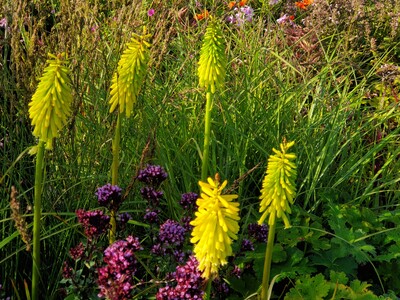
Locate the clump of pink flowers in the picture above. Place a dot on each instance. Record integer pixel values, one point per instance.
(116, 277)
(94, 223)
(188, 283)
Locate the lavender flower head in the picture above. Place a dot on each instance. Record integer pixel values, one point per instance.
(247, 13)
(94, 222)
(109, 196)
(258, 232)
(151, 195)
(221, 288)
(285, 19)
(242, 15)
(158, 249)
(116, 277)
(151, 216)
(123, 218)
(237, 271)
(185, 221)
(172, 234)
(188, 200)
(152, 175)
(247, 245)
(188, 283)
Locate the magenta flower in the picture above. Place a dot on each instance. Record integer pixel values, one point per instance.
(3, 23)
(116, 277)
(77, 252)
(150, 12)
(188, 283)
(94, 222)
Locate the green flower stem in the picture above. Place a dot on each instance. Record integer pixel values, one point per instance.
(267, 262)
(114, 174)
(207, 134)
(115, 151)
(36, 220)
(207, 293)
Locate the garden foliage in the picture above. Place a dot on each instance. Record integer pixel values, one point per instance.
(323, 74)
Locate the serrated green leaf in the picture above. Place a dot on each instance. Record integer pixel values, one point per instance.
(338, 277)
(359, 287)
(278, 254)
(392, 253)
(307, 287)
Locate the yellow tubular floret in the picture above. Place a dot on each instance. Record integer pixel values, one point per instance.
(212, 62)
(50, 106)
(215, 226)
(278, 187)
(129, 77)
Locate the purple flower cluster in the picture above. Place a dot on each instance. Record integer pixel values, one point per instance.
(152, 175)
(109, 196)
(151, 216)
(285, 19)
(237, 271)
(241, 15)
(171, 238)
(258, 232)
(122, 220)
(94, 222)
(188, 283)
(116, 277)
(185, 221)
(247, 245)
(220, 289)
(172, 234)
(188, 200)
(151, 195)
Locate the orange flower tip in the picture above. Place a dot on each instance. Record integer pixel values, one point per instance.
(303, 4)
(291, 17)
(232, 4)
(201, 16)
(242, 3)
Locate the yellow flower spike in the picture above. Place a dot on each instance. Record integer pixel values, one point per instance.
(278, 187)
(50, 106)
(132, 68)
(215, 226)
(212, 63)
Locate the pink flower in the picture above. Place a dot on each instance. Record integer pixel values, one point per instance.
(3, 23)
(150, 12)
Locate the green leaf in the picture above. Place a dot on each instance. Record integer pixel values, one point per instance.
(278, 254)
(359, 287)
(309, 288)
(392, 253)
(338, 277)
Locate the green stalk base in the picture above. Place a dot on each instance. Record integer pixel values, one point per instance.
(37, 207)
(267, 262)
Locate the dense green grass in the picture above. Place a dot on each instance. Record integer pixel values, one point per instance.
(347, 148)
